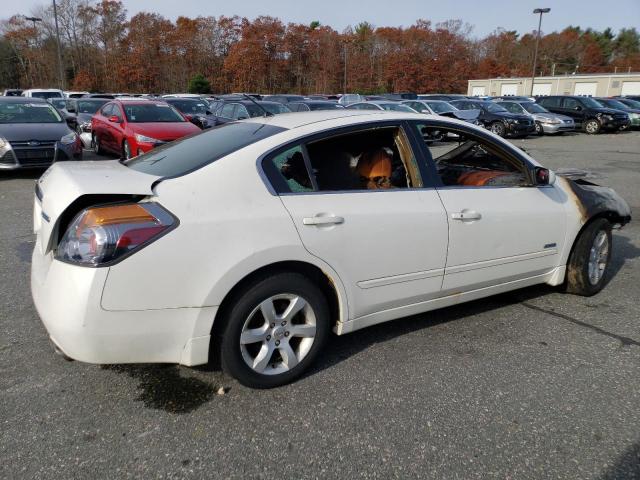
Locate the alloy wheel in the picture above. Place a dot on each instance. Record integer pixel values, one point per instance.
(598, 257)
(592, 126)
(278, 334)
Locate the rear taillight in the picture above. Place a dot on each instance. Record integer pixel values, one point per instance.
(101, 235)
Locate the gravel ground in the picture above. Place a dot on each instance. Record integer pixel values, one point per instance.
(530, 384)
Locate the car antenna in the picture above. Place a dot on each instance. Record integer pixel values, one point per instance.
(267, 113)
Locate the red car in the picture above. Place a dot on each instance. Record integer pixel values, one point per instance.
(132, 127)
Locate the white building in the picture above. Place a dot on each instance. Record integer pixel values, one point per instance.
(594, 85)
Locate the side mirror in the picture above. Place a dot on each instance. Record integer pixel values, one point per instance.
(71, 108)
(544, 176)
(577, 108)
(71, 121)
(242, 117)
(208, 112)
(114, 119)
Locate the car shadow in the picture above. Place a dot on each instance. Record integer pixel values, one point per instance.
(21, 174)
(627, 466)
(623, 251)
(342, 347)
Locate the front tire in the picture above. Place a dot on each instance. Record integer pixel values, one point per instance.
(273, 330)
(590, 259)
(499, 129)
(96, 145)
(126, 150)
(592, 126)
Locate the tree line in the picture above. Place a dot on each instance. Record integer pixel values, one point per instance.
(105, 50)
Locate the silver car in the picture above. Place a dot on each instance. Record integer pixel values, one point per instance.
(546, 122)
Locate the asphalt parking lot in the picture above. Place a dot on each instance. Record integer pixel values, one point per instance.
(530, 384)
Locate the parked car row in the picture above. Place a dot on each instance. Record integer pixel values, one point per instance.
(126, 125)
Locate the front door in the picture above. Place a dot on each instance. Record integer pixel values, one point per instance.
(501, 228)
(364, 213)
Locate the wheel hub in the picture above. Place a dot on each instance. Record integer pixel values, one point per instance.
(278, 333)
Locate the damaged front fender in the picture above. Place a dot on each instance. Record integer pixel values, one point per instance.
(594, 200)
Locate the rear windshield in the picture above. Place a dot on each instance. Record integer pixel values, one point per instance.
(46, 94)
(151, 113)
(183, 156)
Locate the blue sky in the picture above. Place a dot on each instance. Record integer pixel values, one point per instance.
(484, 15)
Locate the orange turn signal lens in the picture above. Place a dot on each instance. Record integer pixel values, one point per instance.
(114, 214)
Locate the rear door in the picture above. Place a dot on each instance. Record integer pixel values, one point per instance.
(387, 241)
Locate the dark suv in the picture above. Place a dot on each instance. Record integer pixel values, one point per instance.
(586, 112)
(497, 118)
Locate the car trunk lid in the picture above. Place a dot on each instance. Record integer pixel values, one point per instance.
(65, 182)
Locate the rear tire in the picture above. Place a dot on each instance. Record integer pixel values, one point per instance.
(539, 129)
(589, 262)
(273, 330)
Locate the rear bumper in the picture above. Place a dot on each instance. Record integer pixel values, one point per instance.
(67, 299)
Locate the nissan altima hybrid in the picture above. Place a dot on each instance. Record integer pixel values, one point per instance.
(249, 243)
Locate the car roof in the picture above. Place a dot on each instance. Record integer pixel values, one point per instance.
(43, 90)
(23, 100)
(137, 100)
(341, 116)
(315, 102)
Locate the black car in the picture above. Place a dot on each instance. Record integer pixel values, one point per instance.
(196, 110)
(312, 105)
(586, 112)
(498, 119)
(83, 109)
(630, 97)
(231, 110)
(627, 107)
(34, 134)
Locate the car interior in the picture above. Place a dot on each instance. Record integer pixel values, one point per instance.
(378, 158)
(472, 162)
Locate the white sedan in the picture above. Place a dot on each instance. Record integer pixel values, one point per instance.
(250, 242)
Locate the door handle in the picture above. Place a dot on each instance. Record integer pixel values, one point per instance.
(322, 220)
(466, 215)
